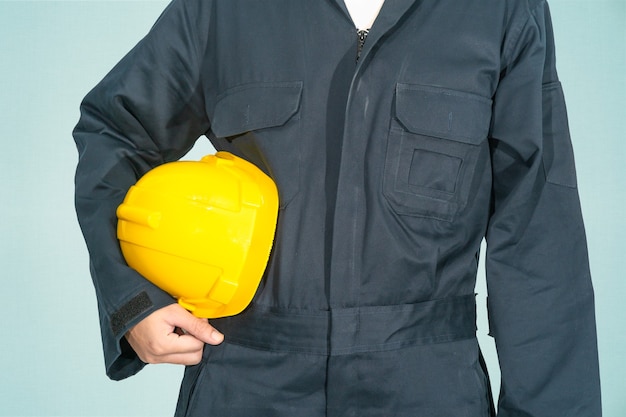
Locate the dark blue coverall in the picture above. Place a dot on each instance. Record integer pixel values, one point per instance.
(450, 127)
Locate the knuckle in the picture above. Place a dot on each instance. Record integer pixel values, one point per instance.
(198, 327)
(156, 349)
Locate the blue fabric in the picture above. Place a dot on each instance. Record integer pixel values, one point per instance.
(451, 127)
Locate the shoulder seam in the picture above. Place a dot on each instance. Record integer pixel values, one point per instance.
(531, 10)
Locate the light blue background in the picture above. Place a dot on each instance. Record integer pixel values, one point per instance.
(53, 52)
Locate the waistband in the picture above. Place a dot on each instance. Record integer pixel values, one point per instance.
(342, 331)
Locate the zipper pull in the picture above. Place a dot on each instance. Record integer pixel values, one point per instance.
(361, 37)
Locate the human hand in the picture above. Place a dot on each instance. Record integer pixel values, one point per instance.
(172, 335)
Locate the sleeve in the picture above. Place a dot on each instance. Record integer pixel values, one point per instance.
(540, 296)
(148, 110)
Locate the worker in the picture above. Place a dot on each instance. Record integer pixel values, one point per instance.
(399, 135)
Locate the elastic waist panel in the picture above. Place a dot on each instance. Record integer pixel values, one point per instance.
(352, 330)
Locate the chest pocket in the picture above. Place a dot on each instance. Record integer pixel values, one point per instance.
(261, 123)
(432, 150)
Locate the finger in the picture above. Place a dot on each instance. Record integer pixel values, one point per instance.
(177, 353)
(181, 348)
(187, 359)
(197, 327)
(182, 343)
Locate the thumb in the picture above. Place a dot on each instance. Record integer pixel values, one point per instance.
(198, 328)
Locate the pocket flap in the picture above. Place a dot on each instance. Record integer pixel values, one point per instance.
(443, 113)
(255, 106)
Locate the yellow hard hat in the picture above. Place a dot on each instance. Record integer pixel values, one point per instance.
(201, 230)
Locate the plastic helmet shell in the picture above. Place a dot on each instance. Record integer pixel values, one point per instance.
(201, 231)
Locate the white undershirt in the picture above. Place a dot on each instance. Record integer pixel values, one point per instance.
(363, 12)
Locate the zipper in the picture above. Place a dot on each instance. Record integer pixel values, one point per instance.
(361, 35)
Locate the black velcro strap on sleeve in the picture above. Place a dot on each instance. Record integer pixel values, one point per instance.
(137, 305)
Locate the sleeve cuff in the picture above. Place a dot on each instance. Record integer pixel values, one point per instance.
(120, 360)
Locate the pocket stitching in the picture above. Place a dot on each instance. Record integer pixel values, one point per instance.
(483, 105)
(443, 205)
(228, 128)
